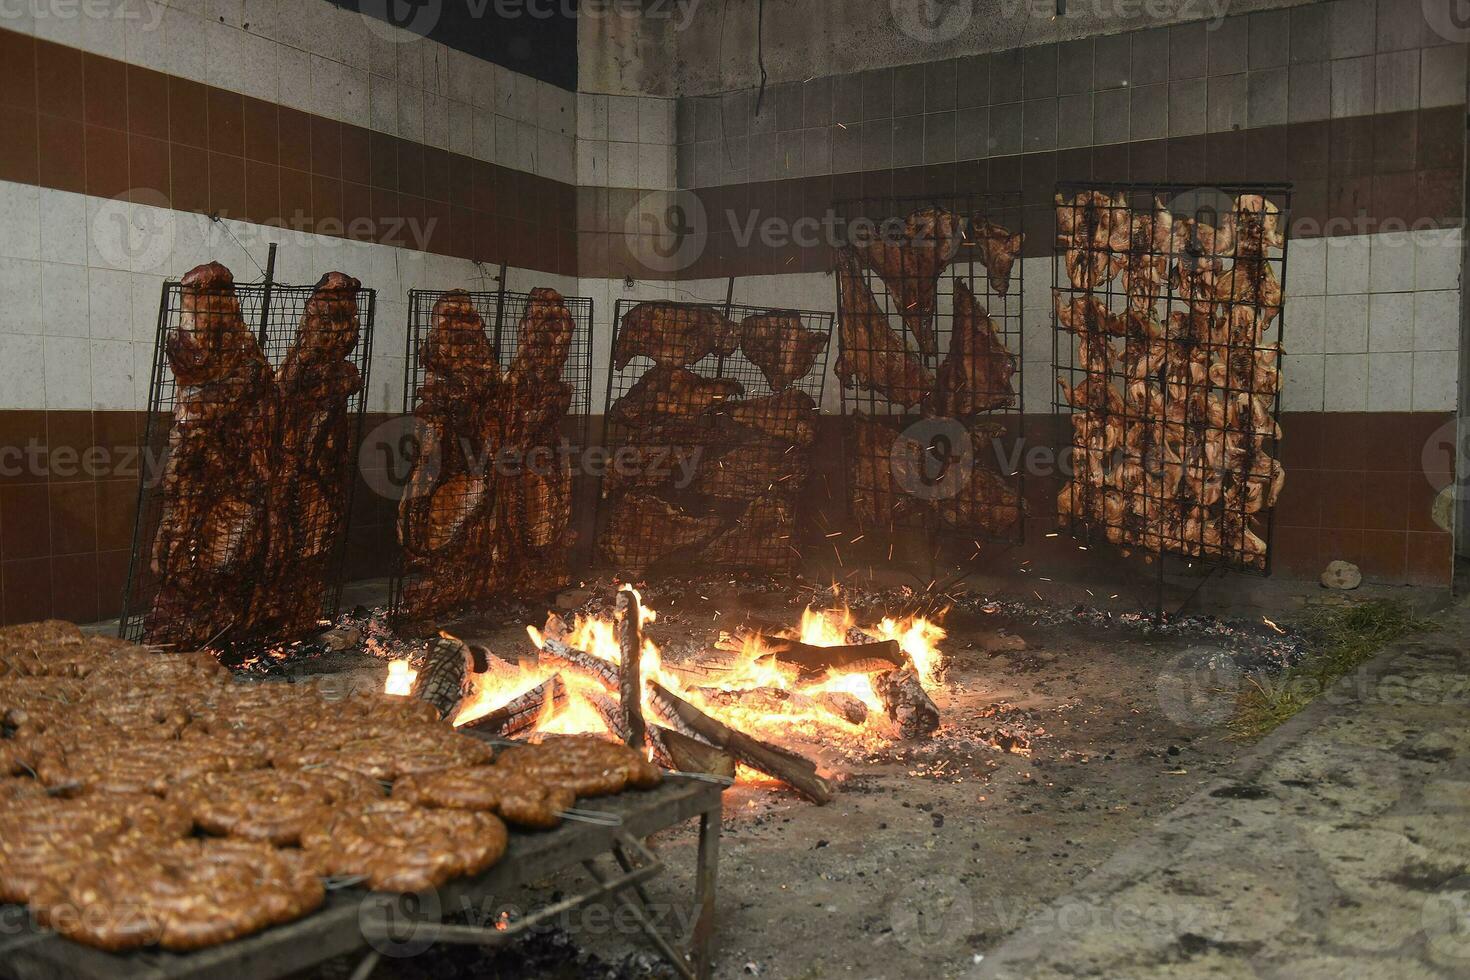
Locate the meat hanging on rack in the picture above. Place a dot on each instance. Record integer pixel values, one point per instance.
(874, 356)
(780, 347)
(876, 498)
(1088, 229)
(749, 471)
(645, 529)
(208, 551)
(670, 392)
(760, 538)
(544, 340)
(674, 335)
(977, 373)
(999, 249)
(1146, 262)
(910, 265)
(789, 417)
(984, 500)
(315, 386)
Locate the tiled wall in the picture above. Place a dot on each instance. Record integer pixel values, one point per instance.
(1303, 64)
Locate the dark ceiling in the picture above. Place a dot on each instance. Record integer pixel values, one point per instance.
(533, 37)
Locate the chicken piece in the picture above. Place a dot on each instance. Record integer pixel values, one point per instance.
(674, 335)
(976, 373)
(999, 249)
(1093, 395)
(788, 417)
(986, 502)
(746, 472)
(1146, 264)
(876, 499)
(780, 346)
(670, 392)
(1088, 228)
(1195, 279)
(873, 356)
(1252, 285)
(1256, 226)
(545, 337)
(759, 538)
(645, 529)
(910, 267)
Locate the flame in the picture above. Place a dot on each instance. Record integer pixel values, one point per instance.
(400, 678)
(919, 639)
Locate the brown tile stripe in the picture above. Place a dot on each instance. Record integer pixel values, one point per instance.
(1351, 176)
(1356, 488)
(75, 121)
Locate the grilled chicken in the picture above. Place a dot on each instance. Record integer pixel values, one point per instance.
(911, 265)
(976, 374)
(999, 249)
(873, 356)
(788, 417)
(674, 335)
(780, 347)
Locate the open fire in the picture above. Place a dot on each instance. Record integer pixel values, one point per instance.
(827, 679)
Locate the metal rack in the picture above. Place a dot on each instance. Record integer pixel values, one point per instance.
(505, 450)
(1173, 361)
(264, 486)
(710, 449)
(924, 460)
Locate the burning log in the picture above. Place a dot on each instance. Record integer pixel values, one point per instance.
(523, 712)
(797, 772)
(844, 706)
(905, 701)
(768, 700)
(692, 755)
(611, 713)
(813, 660)
(443, 680)
(558, 652)
(630, 687)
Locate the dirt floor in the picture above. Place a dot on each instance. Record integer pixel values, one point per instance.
(1068, 727)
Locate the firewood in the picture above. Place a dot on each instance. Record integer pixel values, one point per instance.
(443, 680)
(523, 712)
(813, 660)
(796, 771)
(770, 700)
(906, 703)
(844, 706)
(556, 652)
(612, 716)
(692, 755)
(630, 682)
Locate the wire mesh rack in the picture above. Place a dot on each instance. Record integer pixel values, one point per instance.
(499, 388)
(711, 422)
(1169, 316)
(930, 364)
(255, 414)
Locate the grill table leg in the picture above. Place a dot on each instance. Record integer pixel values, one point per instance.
(704, 891)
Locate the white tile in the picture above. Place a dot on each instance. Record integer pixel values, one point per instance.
(622, 164)
(622, 118)
(20, 220)
(558, 156)
(113, 387)
(64, 311)
(1437, 320)
(461, 128)
(462, 76)
(1306, 325)
(296, 81)
(436, 120)
(1391, 262)
(51, 25)
(655, 166)
(506, 133)
(1442, 76)
(1435, 383)
(655, 120)
(68, 372)
(143, 358)
(484, 135)
(592, 162)
(482, 84)
(1437, 258)
(22, 372)
(186, 40)
(1302, 383)
(382, 55)
(110, 299)
(104, 35)
(64, 230)
(150, 239)
(145, 297)
(353, 94)
(592, 116)
(436, 68)
(1306, 267)
(410, 113)
(20, 285)
(383, 104)
(1347, 324)
(1346, 383)
(1390, 382)
(1347, 264)
(1391, 322)
(527, 147)
(411, 63)
(556, 110)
